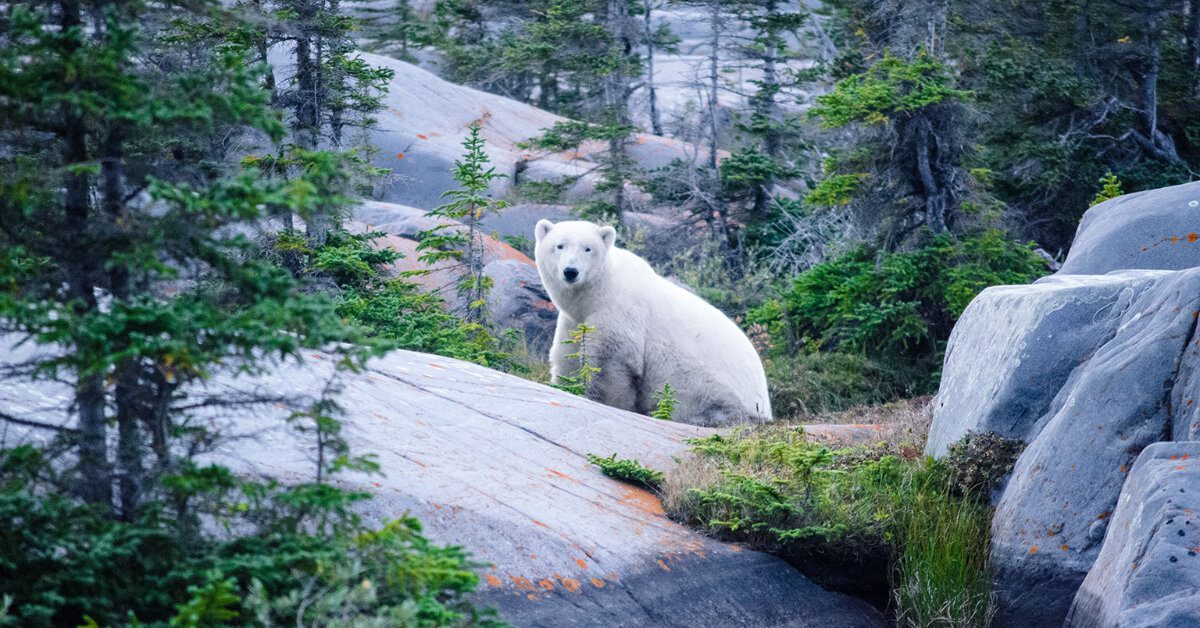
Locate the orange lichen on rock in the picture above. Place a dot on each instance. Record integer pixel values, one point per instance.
(522, 583)
(643, 500)
(662, 564)
(493, 581)
(562, 475)
(571, 585)
(546, 584)
(1033, 549)
(599, 583)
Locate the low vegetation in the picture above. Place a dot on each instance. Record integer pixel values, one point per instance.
(219, 550)
(843, 514)
(868, 327)
(630, 471)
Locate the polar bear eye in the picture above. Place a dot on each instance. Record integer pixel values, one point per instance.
(559, 246)
(587, 249)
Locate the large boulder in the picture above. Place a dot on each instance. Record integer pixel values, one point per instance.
(1152, 229)
(498, 464)
(1148, 574)
(517, 299)
(1087, 398)
(1015, 346)
(419, 136)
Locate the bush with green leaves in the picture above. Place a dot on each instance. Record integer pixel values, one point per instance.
(664, 403)
(855, 510)
(270, 554)
(392, 310)
(630, 471)
(903, 303)
(577, 381)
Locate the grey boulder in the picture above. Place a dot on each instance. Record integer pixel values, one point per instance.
(498, 464)
(1088, 370)
(1014, 347)
(1152, 229)
(517, 299)
(1148, 574)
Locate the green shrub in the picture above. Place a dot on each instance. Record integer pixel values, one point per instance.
(827, 509)
(978, 462)
(900, 304)
(274, 554)
(394, 310)
(578, 381)
(630, 471)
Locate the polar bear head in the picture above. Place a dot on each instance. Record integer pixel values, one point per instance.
(571, 254)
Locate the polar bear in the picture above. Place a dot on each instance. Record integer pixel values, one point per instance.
(649, 331)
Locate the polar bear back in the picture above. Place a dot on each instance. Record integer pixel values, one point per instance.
(685, 342)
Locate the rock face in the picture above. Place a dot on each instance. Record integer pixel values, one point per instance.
(1153, 229)
(1090, 367)
(1015, 346)
(517, 299)
(498, 464)
(1049, 522)
(1148, 574)
(425, 119)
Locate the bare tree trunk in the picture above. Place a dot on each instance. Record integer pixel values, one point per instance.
(655, 118)
(95, 475)
(713, 77)
(129, 471)
(764, 103)
(1159, 144)
(308, 117)
(935, 196)
(616, 97)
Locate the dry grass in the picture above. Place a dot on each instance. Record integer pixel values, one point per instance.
(903, 425)
(692, 472)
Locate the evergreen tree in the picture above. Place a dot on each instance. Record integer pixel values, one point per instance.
(467, 206)
(133, 266)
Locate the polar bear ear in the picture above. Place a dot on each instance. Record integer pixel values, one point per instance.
(609, 235)
(543, 227)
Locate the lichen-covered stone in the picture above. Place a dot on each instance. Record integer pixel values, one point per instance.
(1148, 574)
(1157, 229)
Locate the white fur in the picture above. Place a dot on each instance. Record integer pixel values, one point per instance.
(649, 332)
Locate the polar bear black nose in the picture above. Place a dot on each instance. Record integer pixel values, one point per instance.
(570, 273)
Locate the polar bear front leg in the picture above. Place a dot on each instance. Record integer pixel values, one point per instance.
(559, 363)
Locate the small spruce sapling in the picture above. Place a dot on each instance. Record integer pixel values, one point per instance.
(665, 403)
(468, 206)
(630, 471)
(1110, 187)
(578, 382)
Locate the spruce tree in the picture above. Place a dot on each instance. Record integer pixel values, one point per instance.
(132, 266)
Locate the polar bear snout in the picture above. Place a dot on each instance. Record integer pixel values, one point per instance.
(570, 273)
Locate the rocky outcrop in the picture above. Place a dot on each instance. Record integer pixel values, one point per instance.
(1050, 521)
(1090, 367)
(498, 464)
(425, 119)
(1014, 348)
(1157, 229)
(1148, 574)
(517, 299)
